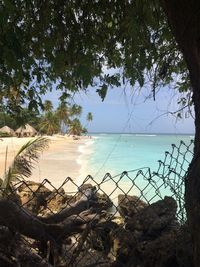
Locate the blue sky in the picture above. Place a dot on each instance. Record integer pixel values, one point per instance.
(126, 110)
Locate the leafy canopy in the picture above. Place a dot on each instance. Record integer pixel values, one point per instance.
(70, 43)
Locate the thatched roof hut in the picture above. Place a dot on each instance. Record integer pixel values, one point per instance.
(7, 130)
(26, 130)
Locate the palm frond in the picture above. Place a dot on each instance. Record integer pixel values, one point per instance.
(24, 161)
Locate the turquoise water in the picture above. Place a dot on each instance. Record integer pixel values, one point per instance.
(135, 154)
(115, 153)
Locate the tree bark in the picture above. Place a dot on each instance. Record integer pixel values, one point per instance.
(18, 219)
(73, 209)
(55, 228)
(184, 19)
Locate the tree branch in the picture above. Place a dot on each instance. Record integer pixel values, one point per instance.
(20, 220)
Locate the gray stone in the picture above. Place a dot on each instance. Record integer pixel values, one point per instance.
(128, 205)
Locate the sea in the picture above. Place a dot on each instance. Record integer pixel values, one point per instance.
(129, 160)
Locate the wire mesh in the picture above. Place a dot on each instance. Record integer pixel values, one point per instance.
(46, 226)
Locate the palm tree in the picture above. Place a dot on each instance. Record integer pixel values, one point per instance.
(47, 106)
(89, 117)
(49, 124)
(63, 115)
(75, 110)
(75, 127)
(23, 163)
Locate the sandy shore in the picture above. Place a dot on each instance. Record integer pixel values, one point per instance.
(56, 163)
(64, 158)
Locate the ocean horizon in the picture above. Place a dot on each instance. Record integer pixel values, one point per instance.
(145, 133)
(118, 152)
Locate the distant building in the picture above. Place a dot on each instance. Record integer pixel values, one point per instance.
(7, 130)
(26, 131)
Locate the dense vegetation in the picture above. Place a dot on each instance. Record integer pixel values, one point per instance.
(63, 119)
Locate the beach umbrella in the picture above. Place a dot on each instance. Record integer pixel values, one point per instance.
(26, 130)
(7, 130)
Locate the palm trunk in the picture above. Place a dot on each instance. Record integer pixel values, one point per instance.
(183, 16)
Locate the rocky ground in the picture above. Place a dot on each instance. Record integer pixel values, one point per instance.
(137, 235)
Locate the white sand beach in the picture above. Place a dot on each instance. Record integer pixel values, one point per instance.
(65, 157)
(56, 163)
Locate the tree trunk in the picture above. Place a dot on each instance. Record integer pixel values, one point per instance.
(20, 220)
(50, 231)
(74, 209)
(184, 19)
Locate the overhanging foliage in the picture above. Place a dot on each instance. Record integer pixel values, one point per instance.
(69, 43)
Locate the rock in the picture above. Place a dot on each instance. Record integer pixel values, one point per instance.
(118, 220)
(149, 239)
(155, 218)
(103, 202)
(84, 187)
(123, 243)
(128, 206)
(161, 251)
(99, 201)
(33, 196)
(57, 200)
(81, 192)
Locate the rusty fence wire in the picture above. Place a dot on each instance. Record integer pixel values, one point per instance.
(101, 222)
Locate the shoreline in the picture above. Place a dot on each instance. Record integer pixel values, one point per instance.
(64, 164)
(85, 150)
(61, 160)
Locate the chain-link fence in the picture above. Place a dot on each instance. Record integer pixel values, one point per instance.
(125, 220)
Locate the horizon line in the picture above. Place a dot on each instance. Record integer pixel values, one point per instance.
(141, 133)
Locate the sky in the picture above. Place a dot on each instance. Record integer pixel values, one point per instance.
(129, 111)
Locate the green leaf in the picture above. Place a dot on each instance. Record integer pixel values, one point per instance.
(102, 91)
(110, 24)
(24, 162)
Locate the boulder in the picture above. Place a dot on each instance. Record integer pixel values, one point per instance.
(160, 251)
(155, 218)
(33, 196)
(103, 202)
(57, 200)
(128, 205)
(149, 238)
